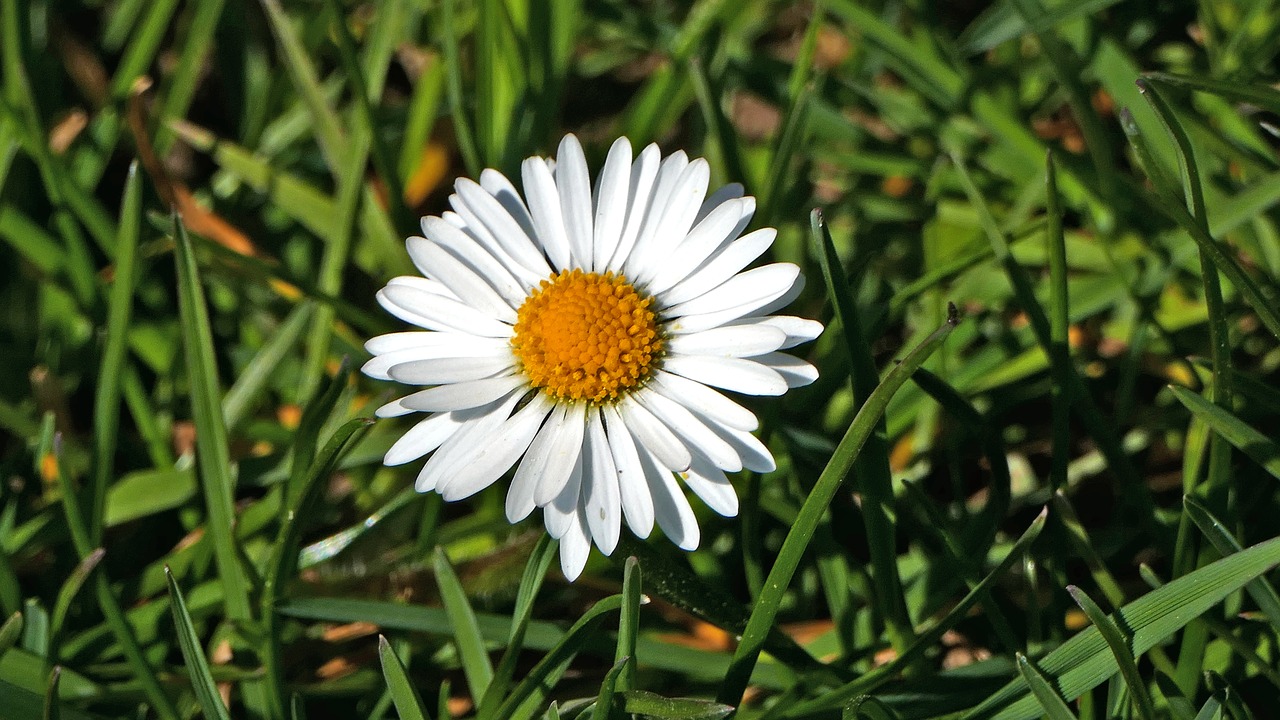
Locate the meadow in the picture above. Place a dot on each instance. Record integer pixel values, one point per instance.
(1035, 476)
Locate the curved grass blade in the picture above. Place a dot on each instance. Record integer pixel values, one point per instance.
(867, 707)
(53, 708)
(197, 666)
(639, 702)
(408, 703)
(253, 379)
(70, 589)
(1119, 645)
(605, 700)
(1085, 661)
(1262, 449)
(793, 547)
(466, 633)
(629, 622)
(1055, 708)
(535, 572)
(1262, 592)
(543, 677)
(10, 632)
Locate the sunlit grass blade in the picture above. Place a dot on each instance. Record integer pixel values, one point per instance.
(1119, 645)
(793, 547)
(648, 704)
(217, 479)
(535, 687)
(298, 62)
(1085, 661)
(535, 572)
(1256, 94)
(628, 622)
(202, 683)
(462, 125)
(475, 656)
(299, 508)
(140, 51)
(408, 704)
(1262, 592)
(870, 681)
(254, 376)
(871, 465)
(1260, 448)
(1051, 702)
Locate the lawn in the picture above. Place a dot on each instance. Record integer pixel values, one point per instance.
(1028, 468)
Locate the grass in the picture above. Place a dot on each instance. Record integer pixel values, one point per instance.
(1036, 475)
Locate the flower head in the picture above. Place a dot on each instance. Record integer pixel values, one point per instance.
(580, 336)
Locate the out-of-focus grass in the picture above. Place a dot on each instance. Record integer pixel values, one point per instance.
(173, 391)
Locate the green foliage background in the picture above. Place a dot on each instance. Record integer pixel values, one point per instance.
(1038, 504)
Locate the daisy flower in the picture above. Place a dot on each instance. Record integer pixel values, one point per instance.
(583, 336)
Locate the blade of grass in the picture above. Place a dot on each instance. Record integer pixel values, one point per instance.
(628, 624)
(1251, 442)
(928, 639)
(1051, 702)
(1262, 592)
(535, 572)
(10, 632)
(453, 62)
(140, 51)
(871, 465)
(206, 690)
(475, 657)
(180, 85)
(1059, 347)
(602, 710)
(53, 708)
(106, 406)
(789, 556)
(307, 437)
(408, 703)
(1119, 644)
(70, 589)
(253, 379)
(639, 702)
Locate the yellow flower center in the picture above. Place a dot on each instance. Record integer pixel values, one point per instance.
(586, 336)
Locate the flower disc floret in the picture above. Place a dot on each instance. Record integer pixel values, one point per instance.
(586, 336)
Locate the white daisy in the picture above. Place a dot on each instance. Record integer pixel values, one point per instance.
(578, 336)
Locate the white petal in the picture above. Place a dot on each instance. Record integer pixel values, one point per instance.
(755, 456)
(611, 203)
(520, 496)
(655, 436)
(544, 205)
(720, 267)
(637, 503)
(495, 457)
(705, 401)
(691, 430)
(643, 173)
(563, 510)
(437, 263)
(600, 499)
(564, 449)
(505, 230)
(574, 182)
(393, 409)
(736, 374)
(421, 439)
(723, 225)
(497, 185)
(468, 221)
(671, 508)
(752, 288)
(795, 371)
(677, 218)
(443, 345)
(669, 172)
(732, 191)
(476, 257)
(710, 484)
(575, 548)
(392, 342)
(435, 312)
(438, 371)
(477, 423)
(799, 330)
(463, 395)
(730, 341)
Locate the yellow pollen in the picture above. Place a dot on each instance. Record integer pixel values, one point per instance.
(586, 336)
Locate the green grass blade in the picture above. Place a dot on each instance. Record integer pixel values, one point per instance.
(140, 51)
(253, 379)
(202, 683)
(1262, 592)
(53, 708)
(409, 705)
(628, 622)
(1085, 661)
(798, 537)
(1119, 645)
(1059, 348)
(542, 678)
(1260, 448)
(867, 707)
(10, 632)
(213, 460)
(466, 137)
(307, 438)
(604, 701)
(639, 702)
(106, 405)
(535, 572)
(475, 657)
(1255, 94)
(297, 60)
(1051, 702)
(70, 589)
(1001, 22)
